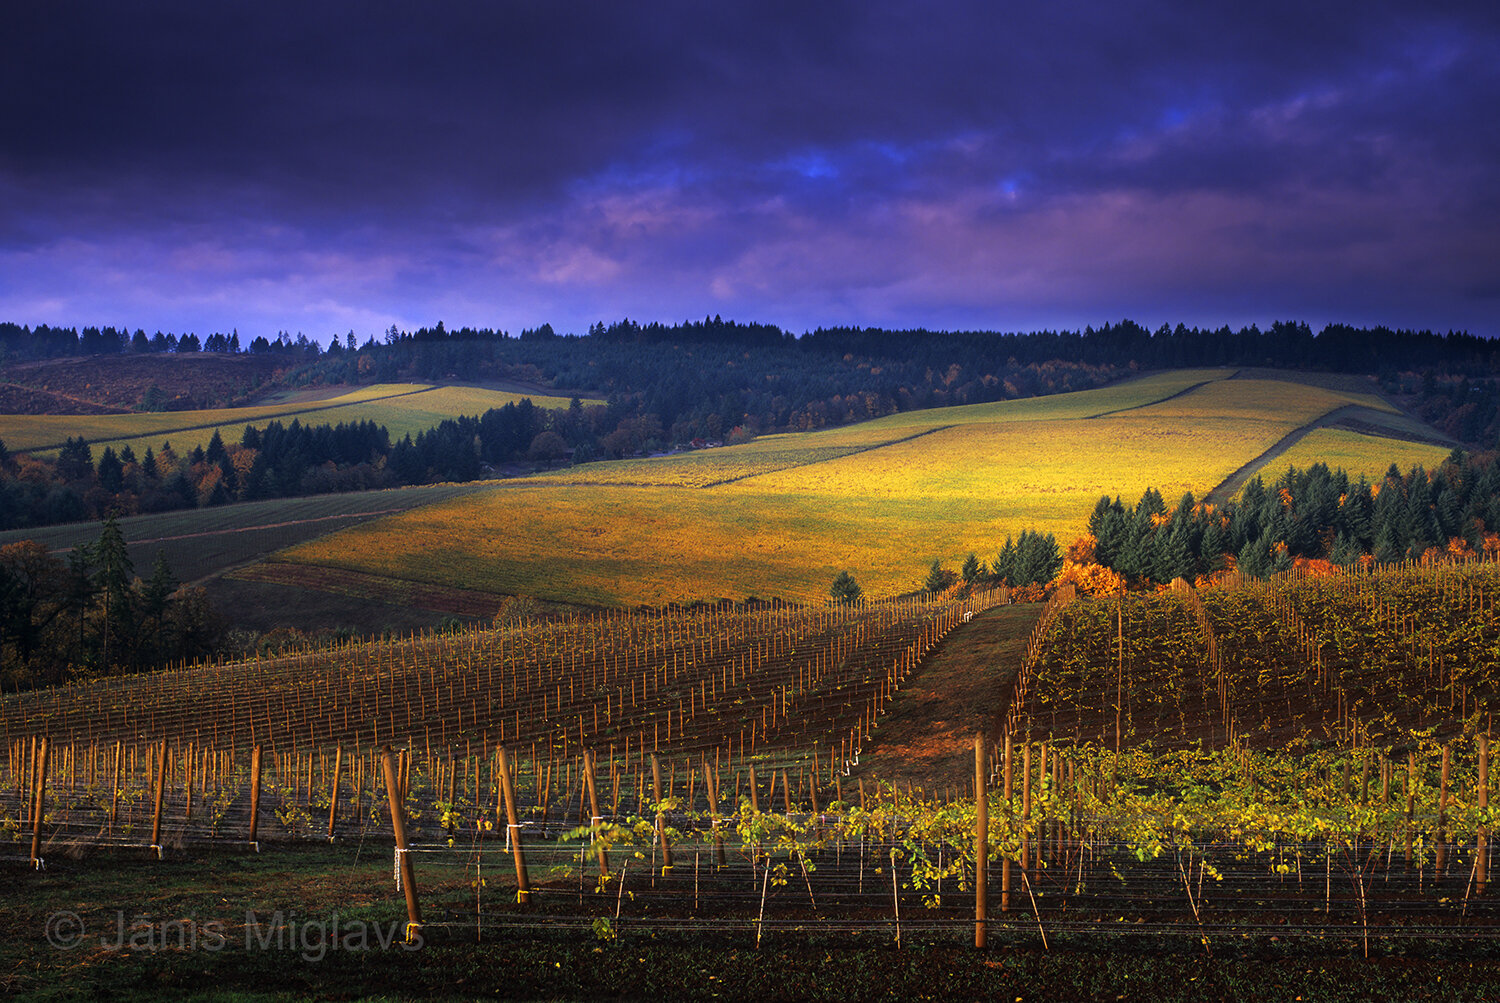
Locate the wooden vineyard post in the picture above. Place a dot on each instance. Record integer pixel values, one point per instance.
(255, 756)
(661, 817)
(1025, 805)
(39, 803)
(161, 787)
(1440, 854)
(403, 856)
(114, 795)
(710, 781)
(981, 842)
(588, 782)
(1482, 847)
(1010, 819)
(333, 794)
(513, 831)
(187, 783)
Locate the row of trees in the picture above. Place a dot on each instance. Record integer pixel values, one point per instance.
(288, 460)
(1313, 514)
(91, 615)
(703, 379)
(47, 342)
(1031, 560)
(1337, 347)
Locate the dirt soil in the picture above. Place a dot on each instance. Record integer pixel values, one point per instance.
(199, 380)
(926, 737)
(376, 588)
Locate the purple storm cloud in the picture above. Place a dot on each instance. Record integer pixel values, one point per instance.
(323, 167)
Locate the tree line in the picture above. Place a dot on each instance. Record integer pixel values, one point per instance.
(1317, 514)
(286, 460)
(89, 614)
(705, 379)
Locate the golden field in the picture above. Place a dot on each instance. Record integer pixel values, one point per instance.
(403, 408)
(1257, 399)
(1358, 454)
(782, 515)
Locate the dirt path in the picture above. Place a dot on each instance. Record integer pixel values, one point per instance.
(927, 735)
(1181, 393)
(1355, 417)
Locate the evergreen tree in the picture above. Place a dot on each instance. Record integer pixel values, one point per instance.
(1388, 549)
(113, 571)
(938, 578)
(1106, 526)
(1003, 567)
(1356, 515)
(111, 471)
(75, 461)
(215, 451)
(1176, 558)
(1214, 545)
(1346, 551)
(845, 590)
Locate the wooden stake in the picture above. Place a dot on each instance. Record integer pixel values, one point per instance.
(981, 841)
(161, 787)
(403, 856)
(39, 803)
(523, 883)
(255, 765)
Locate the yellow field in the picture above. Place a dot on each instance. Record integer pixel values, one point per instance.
(782, 515)
(1358, 454)
(403, 408)
(1082, 404)
(1257, 399)
(707, 467)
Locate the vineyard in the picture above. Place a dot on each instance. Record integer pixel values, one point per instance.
(1305, 757)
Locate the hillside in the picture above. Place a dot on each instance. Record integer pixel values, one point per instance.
(780, 516)
(777, 516)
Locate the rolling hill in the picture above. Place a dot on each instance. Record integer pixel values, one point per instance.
(780, 516)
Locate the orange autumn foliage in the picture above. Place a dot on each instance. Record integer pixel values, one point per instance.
(1084, 550)
(1090, 578)
(1315, 567)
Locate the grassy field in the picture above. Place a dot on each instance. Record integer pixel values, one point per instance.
(1258, 399)
(1359, 454)
(403, 408)
(782, 515)
(202, 542)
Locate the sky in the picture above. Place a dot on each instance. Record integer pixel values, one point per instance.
(332, 167)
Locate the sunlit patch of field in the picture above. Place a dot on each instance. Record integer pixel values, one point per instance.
(403, 408)
(884, 513)
(782, 515)
(1053, 471)
(1079, 404)
(1259, 399)
(1361, 455)
(706, 467)
(629, 545)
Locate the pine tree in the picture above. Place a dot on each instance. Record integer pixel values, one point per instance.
(845, 590)
(112, 573)
(938, 578)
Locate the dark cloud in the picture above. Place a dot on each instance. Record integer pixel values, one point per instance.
(687, 156)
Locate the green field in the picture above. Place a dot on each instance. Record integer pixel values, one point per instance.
(782, 515)
(403, 408)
